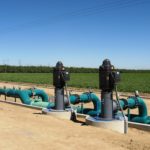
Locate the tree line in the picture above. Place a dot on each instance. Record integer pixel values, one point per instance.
(48, 69)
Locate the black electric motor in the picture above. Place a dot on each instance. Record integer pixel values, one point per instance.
(108, 76)
(60, 75)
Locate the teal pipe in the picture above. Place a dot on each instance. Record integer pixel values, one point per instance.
(130, 103)
(136, 102)
(25, 97)
(133, 102)
(86, 98)
(42, 94)
(4, 91)
(47, 105)
(136, 118)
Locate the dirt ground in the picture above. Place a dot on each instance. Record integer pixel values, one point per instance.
(27, 129)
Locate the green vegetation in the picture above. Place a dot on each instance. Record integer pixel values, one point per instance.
(42, 69)
(129, 81)
(135, 81)
(48, 69)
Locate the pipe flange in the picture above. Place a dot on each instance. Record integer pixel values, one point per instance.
(89, 95)
(136, 101)
(77, 98)
(125, 104)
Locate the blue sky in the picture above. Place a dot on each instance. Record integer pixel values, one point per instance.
(77, 32)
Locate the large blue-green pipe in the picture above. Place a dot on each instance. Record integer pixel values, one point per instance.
(41, 94)
(136, 102)
(26, 97)
(86, 98)
(131, 103)
(23, 95)
(47, 105)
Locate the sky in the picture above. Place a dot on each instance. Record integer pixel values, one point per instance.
(80, 33)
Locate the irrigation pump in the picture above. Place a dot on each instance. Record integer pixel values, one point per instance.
(108, 78)
(60, 77)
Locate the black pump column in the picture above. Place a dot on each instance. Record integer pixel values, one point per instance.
(60, 76)
(108, 77)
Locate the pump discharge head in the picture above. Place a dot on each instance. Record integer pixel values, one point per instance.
(60, 77)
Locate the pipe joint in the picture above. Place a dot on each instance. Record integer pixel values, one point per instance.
(136, 101)
(77, 98)
(125, 104)
(88, 95)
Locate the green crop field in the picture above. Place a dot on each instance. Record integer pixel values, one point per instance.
(129, 81)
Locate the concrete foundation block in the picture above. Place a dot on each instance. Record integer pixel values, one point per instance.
(120, 126)
(66, 114)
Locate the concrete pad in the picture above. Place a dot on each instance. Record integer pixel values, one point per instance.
(120, 126)
(59, 114)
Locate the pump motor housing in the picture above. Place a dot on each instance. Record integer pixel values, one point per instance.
(60, 75)
(108, 76)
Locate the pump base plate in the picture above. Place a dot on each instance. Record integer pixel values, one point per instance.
(63, 114)
(120, 126)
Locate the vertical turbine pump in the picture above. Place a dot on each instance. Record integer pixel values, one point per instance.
(108, 79)
(60, 77)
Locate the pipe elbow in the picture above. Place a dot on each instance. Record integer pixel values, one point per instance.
(74, 99)
(142, 107)
(86, 98)
(24, 96)
(96, 103)
(42, 94)
(135, 102)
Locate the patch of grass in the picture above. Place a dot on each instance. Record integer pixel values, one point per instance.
(129, 81)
